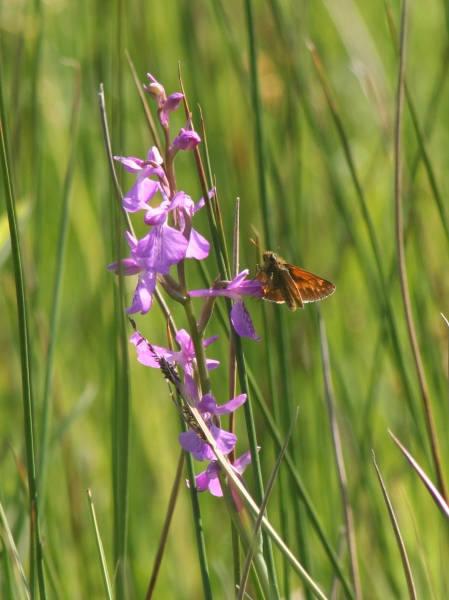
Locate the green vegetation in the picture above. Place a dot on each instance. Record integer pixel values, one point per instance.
(300, 102)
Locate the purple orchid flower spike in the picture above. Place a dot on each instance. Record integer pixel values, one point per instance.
(225, 440)
(144, 189)
(143, 294)
(183, 357)
(240, 318)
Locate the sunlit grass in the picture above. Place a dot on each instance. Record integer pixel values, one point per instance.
(316, 218)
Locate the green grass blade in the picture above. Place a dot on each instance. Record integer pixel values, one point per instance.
(397, 533)
(12, 548)
(197, 523)
(263, 506)
(166, 527)
(437, 497)
(300, 489)
(122, 393)
(338, 450)
(24, 339)
(99, 543)
(58, 283)
(401, 263)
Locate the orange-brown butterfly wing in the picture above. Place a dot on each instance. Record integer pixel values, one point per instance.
(270, 293)
(310, 286)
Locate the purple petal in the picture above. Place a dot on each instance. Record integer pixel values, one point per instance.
(201, 201)
(253, 287)
(155, 155)
(132, 242)
(210, 340)
(208, 404)
(213, 293)
(241, 321)
(199, 205)
(144, 354)
(215, 487)
(156, 216)
(143, 295)
(198, 246)
(230, 406)
(185, 341)
(182, 200)
(131, 164)
(238, 280)
(140, 194)
(242, 462)
(161, 248)
(201, 481)
(192, 443)
(129, 267)
(212, 364)
(213, 469)
(225, 440)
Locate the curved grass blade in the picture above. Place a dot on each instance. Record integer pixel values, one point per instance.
(420, 136)
(401, 262)
(263, 506)
(144, 102)
(24, 340)
(438, 498)
(339, 459)
(101, 555)
(58, 279)
(166, 527)
(121, 399)
(397, 533)
(13, 549)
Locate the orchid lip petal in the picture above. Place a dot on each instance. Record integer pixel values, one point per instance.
(242, 322)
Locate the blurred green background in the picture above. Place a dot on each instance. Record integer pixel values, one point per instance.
(315, 218)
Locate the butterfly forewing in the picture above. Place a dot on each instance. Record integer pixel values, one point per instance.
(290, 284)
(311, 287)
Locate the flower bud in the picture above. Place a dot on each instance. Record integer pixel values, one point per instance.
(156, 90)
(187, 140)
(170, 105)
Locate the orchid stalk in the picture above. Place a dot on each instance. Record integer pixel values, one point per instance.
(158, 260)
(171, 240)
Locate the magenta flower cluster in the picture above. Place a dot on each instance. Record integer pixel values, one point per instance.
(171, 238)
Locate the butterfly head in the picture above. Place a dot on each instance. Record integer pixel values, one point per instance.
(269, 256)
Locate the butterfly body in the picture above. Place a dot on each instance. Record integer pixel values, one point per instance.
(285, 283)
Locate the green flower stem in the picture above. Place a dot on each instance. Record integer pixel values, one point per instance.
(197, 339)
(252, 442)
(198, 525)
(258, 559)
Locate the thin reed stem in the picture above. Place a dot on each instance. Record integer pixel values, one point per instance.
(166, 527)
(401, 260)
(338, 451)
(36, 551)
(58, 281)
